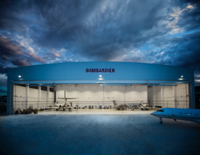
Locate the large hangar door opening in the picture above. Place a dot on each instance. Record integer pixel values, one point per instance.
(38, 97)
(176, 96)
(95, 95)
(134, 94)
(80, 94)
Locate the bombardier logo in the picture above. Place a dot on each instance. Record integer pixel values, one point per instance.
(100, 70)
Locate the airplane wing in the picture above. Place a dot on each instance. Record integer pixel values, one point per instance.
(59, 106)
(67, 98)
(53, 107)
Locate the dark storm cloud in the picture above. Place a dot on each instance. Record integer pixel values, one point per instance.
(98, 30)
(35, 31)
(183, 52)
(61, 21)
(190, 18)
(12, 15)
(11, 52)
(98, 33)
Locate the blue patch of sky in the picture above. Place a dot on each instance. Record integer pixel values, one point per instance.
(174, 35)
(30, 17)
(3, 93)
(189, 32)
(5, 33)
(40, 52)
(68, 55)
(3, 88)
(146, 48)
(35, 63)
(179, 34)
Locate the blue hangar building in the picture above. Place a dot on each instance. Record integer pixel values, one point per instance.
(97, 84)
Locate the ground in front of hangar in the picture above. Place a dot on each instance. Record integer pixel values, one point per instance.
(138, 133)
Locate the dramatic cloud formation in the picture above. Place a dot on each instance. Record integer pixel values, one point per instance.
(152, 31)
(13, 53)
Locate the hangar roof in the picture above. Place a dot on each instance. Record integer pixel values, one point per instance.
(103, 62)
(93, 72)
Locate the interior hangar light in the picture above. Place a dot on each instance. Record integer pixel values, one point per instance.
(100, 76)
(19, 76)
(181, 76)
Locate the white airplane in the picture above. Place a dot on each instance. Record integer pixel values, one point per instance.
(144, 106)
(178, 113)
(120, 106)
(62, 106)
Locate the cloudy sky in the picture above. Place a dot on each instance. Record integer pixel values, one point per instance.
(36, 32)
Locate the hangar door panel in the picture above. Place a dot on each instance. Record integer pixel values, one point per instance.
(182, 96)
(168, 96)
(26, 96)
(136, 94)
(114, 93)
(94, 94)
(59, 95)
(85, 94)
(51, 97)
(19, 97)
(176, 96)
(43, 99)
(158, 96)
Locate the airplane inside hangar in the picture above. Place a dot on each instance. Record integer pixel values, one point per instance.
(89, 86)
(96, 96)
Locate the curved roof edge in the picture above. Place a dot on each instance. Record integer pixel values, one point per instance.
(100, 61)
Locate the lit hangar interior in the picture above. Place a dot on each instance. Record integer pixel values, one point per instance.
(98, 85)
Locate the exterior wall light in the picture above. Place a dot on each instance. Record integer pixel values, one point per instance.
(181, 76)
(19, 76)
(100, 77)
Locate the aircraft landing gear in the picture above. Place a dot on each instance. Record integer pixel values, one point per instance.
(160, 120)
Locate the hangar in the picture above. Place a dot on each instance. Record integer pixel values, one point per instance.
(97, 84)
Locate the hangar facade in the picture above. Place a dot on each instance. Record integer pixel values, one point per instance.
(97, 84)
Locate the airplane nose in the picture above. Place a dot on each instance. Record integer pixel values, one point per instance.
(153, 113)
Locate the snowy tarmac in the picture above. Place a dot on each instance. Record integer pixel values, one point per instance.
(99, 133)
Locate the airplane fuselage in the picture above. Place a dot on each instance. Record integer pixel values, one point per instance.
(178, 113)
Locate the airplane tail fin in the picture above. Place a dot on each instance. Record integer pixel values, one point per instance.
(114, 102)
